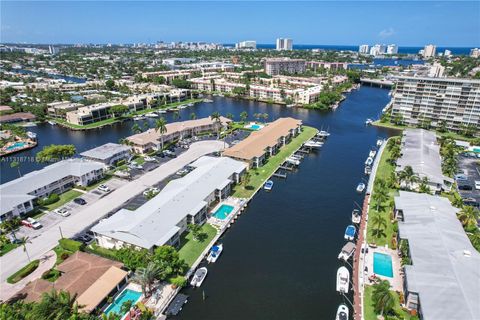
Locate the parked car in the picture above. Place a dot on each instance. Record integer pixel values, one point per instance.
(80, 201)
(461, 177)
(149, 159)
(151, 190)
(32, 223)
(477, 184)
(85, 238)
(62, 212)
(103, 188)
(182, 172)
(471, 202)
(465, 187)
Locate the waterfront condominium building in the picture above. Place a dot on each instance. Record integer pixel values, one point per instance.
(364, 48)
(429, 51)
(276, 66)
(163, 219)
(249, 44)
(392, 49)
(453, 101)
(284, 44)
(475, 53)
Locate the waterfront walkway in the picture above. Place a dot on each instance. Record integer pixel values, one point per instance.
(16, 259)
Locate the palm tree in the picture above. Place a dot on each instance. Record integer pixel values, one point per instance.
(11, 225)
(146, 277)
(380, 195)
(216, 119)
(468, 216)
(136, 128)
(56, 305)
(193, 116)
(408, 176)
(378, 224)
(383, 299)
(424, 188)
(265, 117)
(23, 242)
(475, 239)
(230, 116)
(16, 164)
(161, 127)
(243, 116)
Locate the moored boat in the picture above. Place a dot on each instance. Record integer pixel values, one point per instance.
(215, 253)
(198, 277)
(162, 111)
(139, 118)
(293, 161)
(372, 153)
(360, 187)
(51, 122)
(268, 185)
(151, 115)
(356, 217)
(369, 161)
(343, 278)
(379, 142)
(368, 170)
(342, 312)
(368, 121)
(350, 232)
(347, 251)
(323, 134)
(313, 144)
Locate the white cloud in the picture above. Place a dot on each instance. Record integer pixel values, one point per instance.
(386, 33)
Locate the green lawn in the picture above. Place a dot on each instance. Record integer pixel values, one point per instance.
(64, 198)
(87, 126)
(260, 175)
(190, 249)
(383, 172)
(23, 272)
(369, 312)
(452, 135)
(99, 182)
(168, 105)
(7, 248)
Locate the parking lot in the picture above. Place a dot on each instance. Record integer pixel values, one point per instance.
(470, 168)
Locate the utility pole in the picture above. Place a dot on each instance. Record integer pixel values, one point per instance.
(60, 229)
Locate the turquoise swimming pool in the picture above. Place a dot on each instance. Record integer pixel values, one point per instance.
(16, 145)
(382, 264)
(223, 212)
(255, 127)
(126, 295)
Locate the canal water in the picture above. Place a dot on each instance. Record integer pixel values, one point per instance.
(280, 257)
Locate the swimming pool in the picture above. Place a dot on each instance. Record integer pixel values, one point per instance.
(382, 264)
(223, 212)
(255, 127)
(126, 295)
(16, 145)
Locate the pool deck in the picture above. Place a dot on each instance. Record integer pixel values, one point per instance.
(237, 205)
(395, 282)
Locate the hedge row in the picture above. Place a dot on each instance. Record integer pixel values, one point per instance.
(70, 245)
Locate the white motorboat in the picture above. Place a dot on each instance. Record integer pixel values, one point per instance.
(368, 170)
(199, 276)
(51, 123)
(313, 144)
(343, 280)
(372, 153)
(368, 121)
(323, 134)
(139, 118)
(379, 142)
(268, 185)
(369, 161)
(162, 111)
(207, 100)
(293, 161)
(342, 312)
(356, 217)
(347, 251)
(361, 187)
(350, 232)
(190, 104)
(290, 105)
(215, 253)
(151, 115)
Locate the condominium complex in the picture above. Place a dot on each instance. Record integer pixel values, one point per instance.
(275, 66)
(163, 219)
(392, 49)
(19, 195)
(284, 44)
(442, 279)
(429, 51)
(378, 49)
(60, 109)
(315, 65)
(249, 44)
(475, 53)
(90, 114)
(364, 48)
(453, 101)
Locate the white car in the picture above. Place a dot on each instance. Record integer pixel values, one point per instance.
(477, 184)
(150, 190)
(149, 159)
(62, 212)
(32, 223)
(103, 188)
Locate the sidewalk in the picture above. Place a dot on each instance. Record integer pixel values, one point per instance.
(47, 261)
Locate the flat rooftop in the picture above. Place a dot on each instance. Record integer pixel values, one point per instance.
(105, 151)
(445, 270)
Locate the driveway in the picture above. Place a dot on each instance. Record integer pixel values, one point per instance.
(69, 226)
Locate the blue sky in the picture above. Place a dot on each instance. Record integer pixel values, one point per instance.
(338, 23)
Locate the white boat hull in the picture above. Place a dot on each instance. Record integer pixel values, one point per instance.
(213, 256)
(343, 280)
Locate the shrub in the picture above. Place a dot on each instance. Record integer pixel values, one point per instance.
(51, 199)
(22, 273)
(64, 256)
(51, 275)
(70, 245)
(178, 281)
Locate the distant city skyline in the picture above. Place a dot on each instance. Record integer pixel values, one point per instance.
(329, 23)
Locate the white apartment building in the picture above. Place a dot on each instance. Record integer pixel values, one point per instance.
(59, 109)
(284, 44)
(392, 49)
(249, 44)
(163, 219)
(436, 70)
(378, 49)
(315, 65)
(447, 53)
(19, 195)
(475, 53)
(364, 48)
(455, 101)
(276, 66)
(429, 51)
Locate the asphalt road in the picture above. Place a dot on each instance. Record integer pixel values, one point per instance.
(48, 237)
